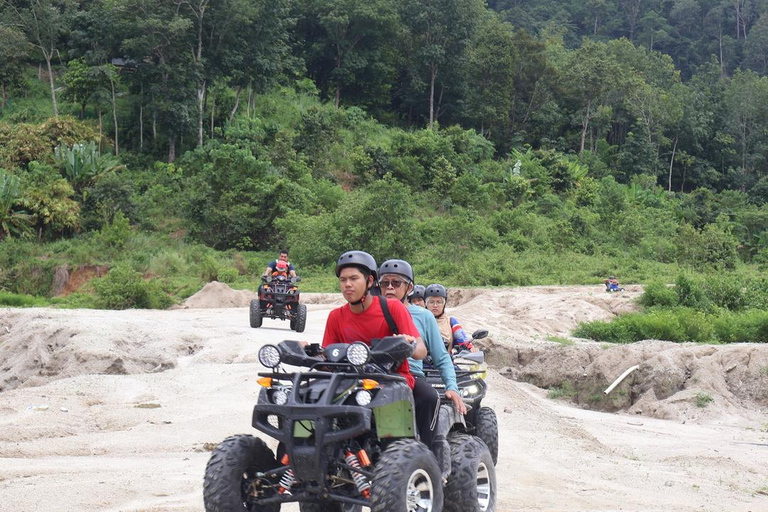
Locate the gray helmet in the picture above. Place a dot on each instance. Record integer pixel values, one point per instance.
(399, 267)
(436, 290)
(416, 293)
(357, 259)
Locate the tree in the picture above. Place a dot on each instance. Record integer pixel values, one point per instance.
(158, 43)
(14, 51)
(746, 118)
(80, 83)
(348, 43)
(589, 77)
(491, 63)
(45, 22)
(439, 33)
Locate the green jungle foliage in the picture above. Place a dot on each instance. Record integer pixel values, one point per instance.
(507, 143)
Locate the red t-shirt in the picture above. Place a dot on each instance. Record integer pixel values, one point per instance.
(344, 326)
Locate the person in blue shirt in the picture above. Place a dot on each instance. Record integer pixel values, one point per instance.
(396, 282)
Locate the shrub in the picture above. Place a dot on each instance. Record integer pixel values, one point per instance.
(689, 293)
(658, 294)
(20, 300)
(123, 288)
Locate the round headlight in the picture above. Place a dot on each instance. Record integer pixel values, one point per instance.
(363, 397)
(358, 353)
(269, 356)
(279, 397)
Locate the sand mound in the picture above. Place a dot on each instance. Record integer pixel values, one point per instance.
(673, 381)
(39, 345)
(219, 295)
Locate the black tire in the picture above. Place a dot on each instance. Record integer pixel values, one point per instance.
(487, 429)
(471, 486)
(301, 318)
(229, 474)
(255, 314)
(406, 471)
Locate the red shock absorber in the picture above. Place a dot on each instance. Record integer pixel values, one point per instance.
(360, 481)
(287, 480)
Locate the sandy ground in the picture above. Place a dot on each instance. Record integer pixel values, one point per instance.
(107, 411)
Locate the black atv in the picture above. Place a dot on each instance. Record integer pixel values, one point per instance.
(347, 439)
(279, 298)
(471, 371)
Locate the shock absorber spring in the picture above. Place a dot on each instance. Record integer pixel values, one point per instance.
(360, 481)
(288, 477)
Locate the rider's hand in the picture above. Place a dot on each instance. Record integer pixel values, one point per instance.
(457, 401)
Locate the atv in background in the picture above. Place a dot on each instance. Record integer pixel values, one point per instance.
(279, 299)
(347, 439)
(471, 371)
(612, 285)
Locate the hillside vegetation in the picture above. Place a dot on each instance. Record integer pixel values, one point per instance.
(171, 144)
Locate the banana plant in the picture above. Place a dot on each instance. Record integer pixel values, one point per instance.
(83, 164)
(12, 222)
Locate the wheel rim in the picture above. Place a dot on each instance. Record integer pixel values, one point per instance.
(419, 492)
(483, 487)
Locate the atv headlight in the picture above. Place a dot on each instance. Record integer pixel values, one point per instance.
(363, 397)
(358, 353)
(469, 391)
(269, 356)
(279, 396)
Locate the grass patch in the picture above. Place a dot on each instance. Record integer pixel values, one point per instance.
(564, 390)
(703, 400)
(560, 340)
(16, 300)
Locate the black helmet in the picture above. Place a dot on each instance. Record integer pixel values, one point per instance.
(436, 290)
(416, 293)
(399, 267)
(357, 259)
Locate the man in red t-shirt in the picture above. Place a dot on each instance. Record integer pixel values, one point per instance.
(362, 318)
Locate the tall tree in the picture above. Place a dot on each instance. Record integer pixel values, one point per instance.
(439, 33)
(14, 51)
(158, 44)
(348, 43)
(590, 75)
(746, 119)
(44, 22)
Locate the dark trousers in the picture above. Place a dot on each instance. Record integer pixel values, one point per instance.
(427, 403)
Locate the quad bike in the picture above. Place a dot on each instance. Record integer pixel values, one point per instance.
(471, 371)
(347, 439)
(612, 286)
(279, 298)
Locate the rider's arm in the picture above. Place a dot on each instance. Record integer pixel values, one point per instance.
(406, 327)
(419, 349)
(291, 270)
(440, 357)
(270, 268)
(460, 337)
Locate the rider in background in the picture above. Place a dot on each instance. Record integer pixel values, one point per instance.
(611, 283)
(454, 336)
(416, 297)
(272, 266)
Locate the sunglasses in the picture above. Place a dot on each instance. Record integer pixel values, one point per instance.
(394, 284)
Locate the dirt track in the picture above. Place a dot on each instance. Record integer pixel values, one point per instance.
(170, 384)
